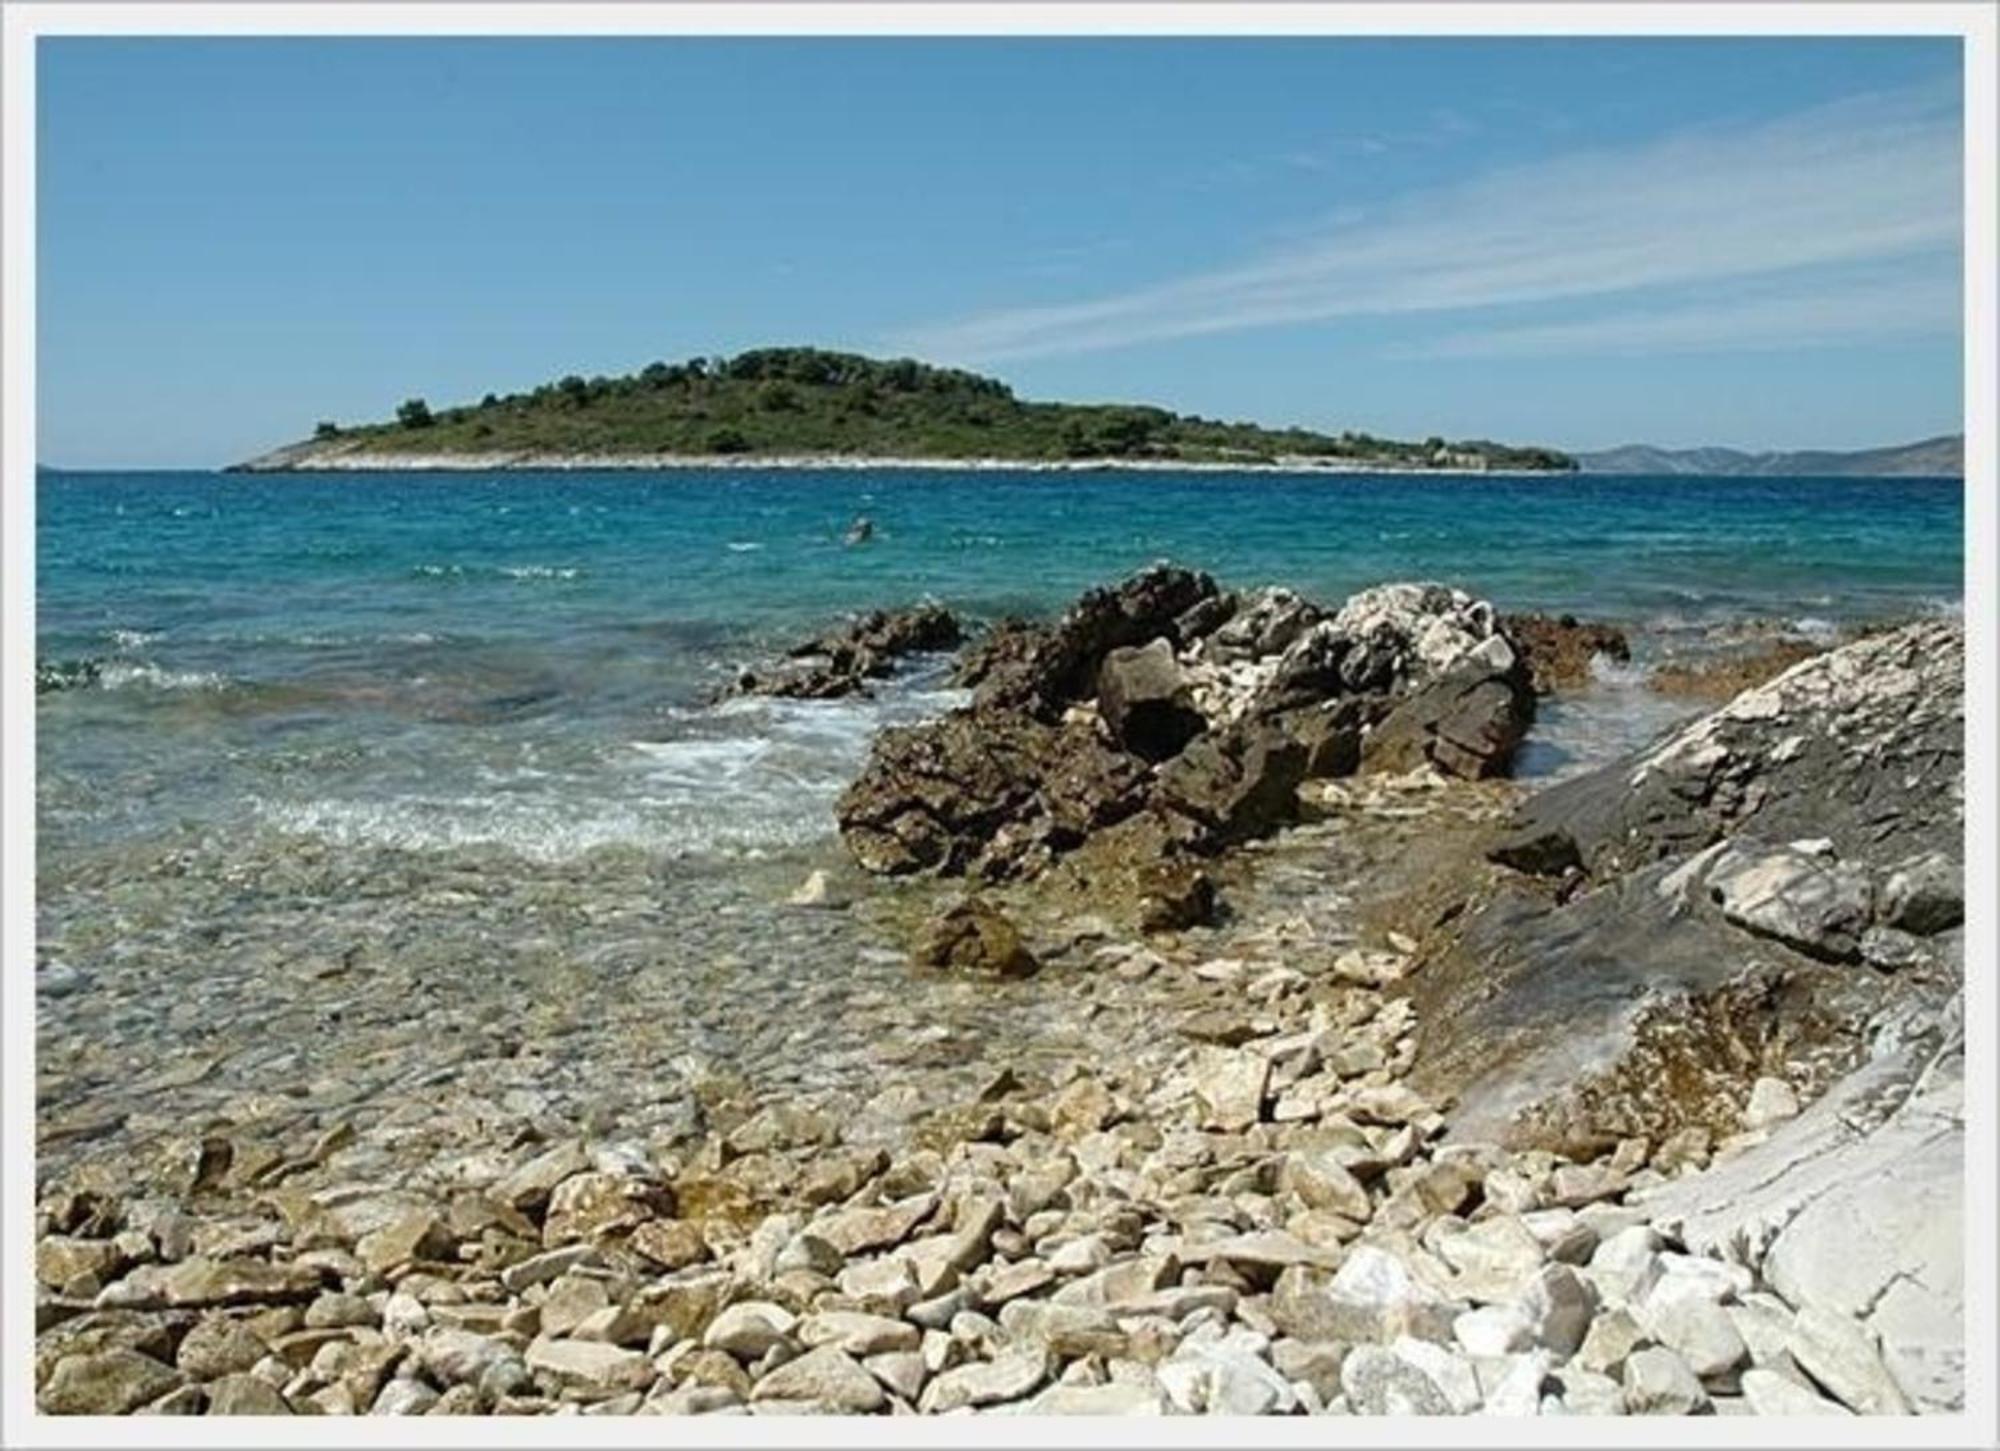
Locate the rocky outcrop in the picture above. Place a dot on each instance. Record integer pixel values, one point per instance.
(1145, 701)
(1862, 746)
(844, 661)
(1045, 670)
(1562, 650)
(1760, 910)
(1466, 720)
(985, 790)
(1167, 696)
(1855, 1211)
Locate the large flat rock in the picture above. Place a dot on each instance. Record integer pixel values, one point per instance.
(1856, 1208)
(1754, 895)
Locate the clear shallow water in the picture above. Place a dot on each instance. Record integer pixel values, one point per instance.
(397, 800)
(438, 662)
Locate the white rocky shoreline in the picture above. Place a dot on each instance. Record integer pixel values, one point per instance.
(320, 458)
(1241, 1190)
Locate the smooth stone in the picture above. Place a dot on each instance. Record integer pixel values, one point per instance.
(590, 1364)
(1230, 1085)
(1772, 1101)
(1493, 1330)
(749, 1329)
(246, 1395)
(1700, 1332)
(1659, 1383)
(404, 1398)
(1517, 1389)
(858, 1333)
(1114, 1398)
(1772, 1394)
(828, 1375)
(1008, 1377)
(109, 1383)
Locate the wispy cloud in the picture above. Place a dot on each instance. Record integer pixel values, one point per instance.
(1862, 181)
(1802, 311)
(1444, 127)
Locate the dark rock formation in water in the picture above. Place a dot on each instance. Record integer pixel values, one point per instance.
(1775, 887)
(1561, 648)
(845, 660)
(1044, 670)
(1201, 709)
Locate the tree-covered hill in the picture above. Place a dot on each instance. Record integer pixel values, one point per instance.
(809, 401)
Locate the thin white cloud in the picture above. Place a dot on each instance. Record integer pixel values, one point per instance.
(1804, 312)
(1864, 180)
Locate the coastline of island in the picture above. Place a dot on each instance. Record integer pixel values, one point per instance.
(300, 459)
(808, 408)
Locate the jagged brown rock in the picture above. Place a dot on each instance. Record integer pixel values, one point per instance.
(1165, 695)
(1560, 649)
(975, 936)
(843, 661)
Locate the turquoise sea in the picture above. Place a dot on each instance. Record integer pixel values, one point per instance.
(519, 661)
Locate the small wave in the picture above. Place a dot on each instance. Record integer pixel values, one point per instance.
(547, 831)
(1617, 674)
(743, 779)
(1951, 608)
(131, 639)
(502, 571)
(1812, 627)
(744, 546)
(1673, 622)
(555, 827)
(314, 640)
(144, 675)
(51, 675)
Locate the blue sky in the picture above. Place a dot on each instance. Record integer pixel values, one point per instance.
(1582, 243)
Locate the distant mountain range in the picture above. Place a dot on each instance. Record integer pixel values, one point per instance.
(1943, 456)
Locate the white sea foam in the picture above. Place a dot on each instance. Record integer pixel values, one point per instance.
(744, 778)
(1618, 674)
(131, 639)
(502, 571)
(697, 762)
(144, 675)
(556, 825)
(744, 546)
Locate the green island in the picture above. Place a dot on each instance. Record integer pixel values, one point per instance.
(811, 404)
